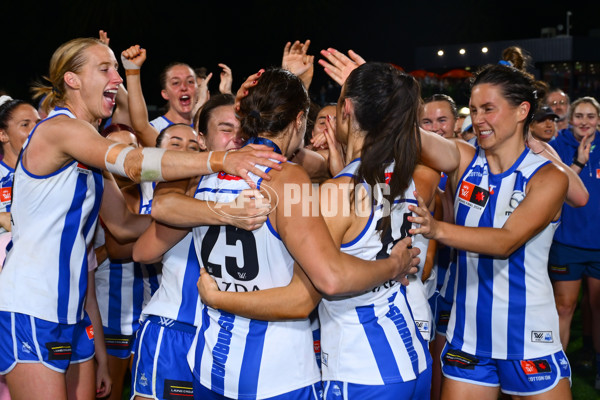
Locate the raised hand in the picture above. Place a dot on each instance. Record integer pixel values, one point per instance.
(297, 61)
(338, 66)
(226, 79)
(242, 92)
(103, 37)
(133, 57)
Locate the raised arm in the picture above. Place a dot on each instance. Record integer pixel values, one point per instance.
(173, 204)
(297, 61)
(133, 58)
(331, 271)
(541, 205)
(577, 195)
(338, 66)
(226, 79)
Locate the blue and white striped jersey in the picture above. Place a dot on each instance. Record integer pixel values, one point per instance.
(240, 357)
(503, 308)
(372, 338)
(54, 219)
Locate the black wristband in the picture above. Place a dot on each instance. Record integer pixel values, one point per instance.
(580, 165)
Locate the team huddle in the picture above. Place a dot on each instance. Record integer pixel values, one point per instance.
(212, 254)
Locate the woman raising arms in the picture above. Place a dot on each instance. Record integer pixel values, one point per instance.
(57, 195)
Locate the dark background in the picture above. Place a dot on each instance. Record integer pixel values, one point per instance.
(249, 35)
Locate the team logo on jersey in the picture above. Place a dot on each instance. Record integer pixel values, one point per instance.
(473, 196)
(324, 358)
(174, 390)
(59, 351)
(83, 168)
(143, 380)
(5, 194)
(89, 330)
(532, 367)
(542, 337)
(388, 177)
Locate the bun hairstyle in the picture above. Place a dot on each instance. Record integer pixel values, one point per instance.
(516, 57)
(386, 106)
(273, 103)
(70, 56)
(516, 87)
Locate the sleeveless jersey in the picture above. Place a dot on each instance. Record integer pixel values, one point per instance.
(54, 218)
(124, 287)
(177, 296)
(6, 180)
(503, 308)
(236, 356)
(372, 339)
(161, 123)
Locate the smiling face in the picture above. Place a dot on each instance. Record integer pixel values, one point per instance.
(180, 138)
(180, 89)
(22, 120)
(584, 120)
(495, 120)
(223, 130)
(97, 82)
(544, 130)
(437, 117)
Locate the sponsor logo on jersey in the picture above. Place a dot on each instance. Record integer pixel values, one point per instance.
(117, 341)
(5, 194)
(83, 168)
(175, 390)
(559, 269)
(423, 326)
(226, 177)
(542, 337)
(532, 367)
(388, 177)
(165, 322)
(317, 346)
(460, 359)
(59, 351)
(598, 173)
(89, 330)
(473, 196)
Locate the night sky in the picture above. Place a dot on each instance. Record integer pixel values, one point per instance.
(250, 35)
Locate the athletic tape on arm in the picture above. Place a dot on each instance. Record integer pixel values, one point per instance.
(152, 164)
(118, 167)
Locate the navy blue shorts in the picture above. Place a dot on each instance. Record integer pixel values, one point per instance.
(567, 263)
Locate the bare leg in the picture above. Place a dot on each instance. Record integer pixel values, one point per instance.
(565, 295)
(456, 390)
(36, 381)
(81, 380)
(562, 391)
(117, 368)
(436, 348)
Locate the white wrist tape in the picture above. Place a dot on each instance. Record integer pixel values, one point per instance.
(208, 162)
(115, 162)
(152, 164)
(128, 64)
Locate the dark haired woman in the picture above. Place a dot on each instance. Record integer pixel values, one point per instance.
(503, 330)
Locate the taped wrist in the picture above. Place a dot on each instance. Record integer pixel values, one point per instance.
(128, 64)
(152, 164)
(114, 160)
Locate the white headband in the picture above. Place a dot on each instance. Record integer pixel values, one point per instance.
(4, 99)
